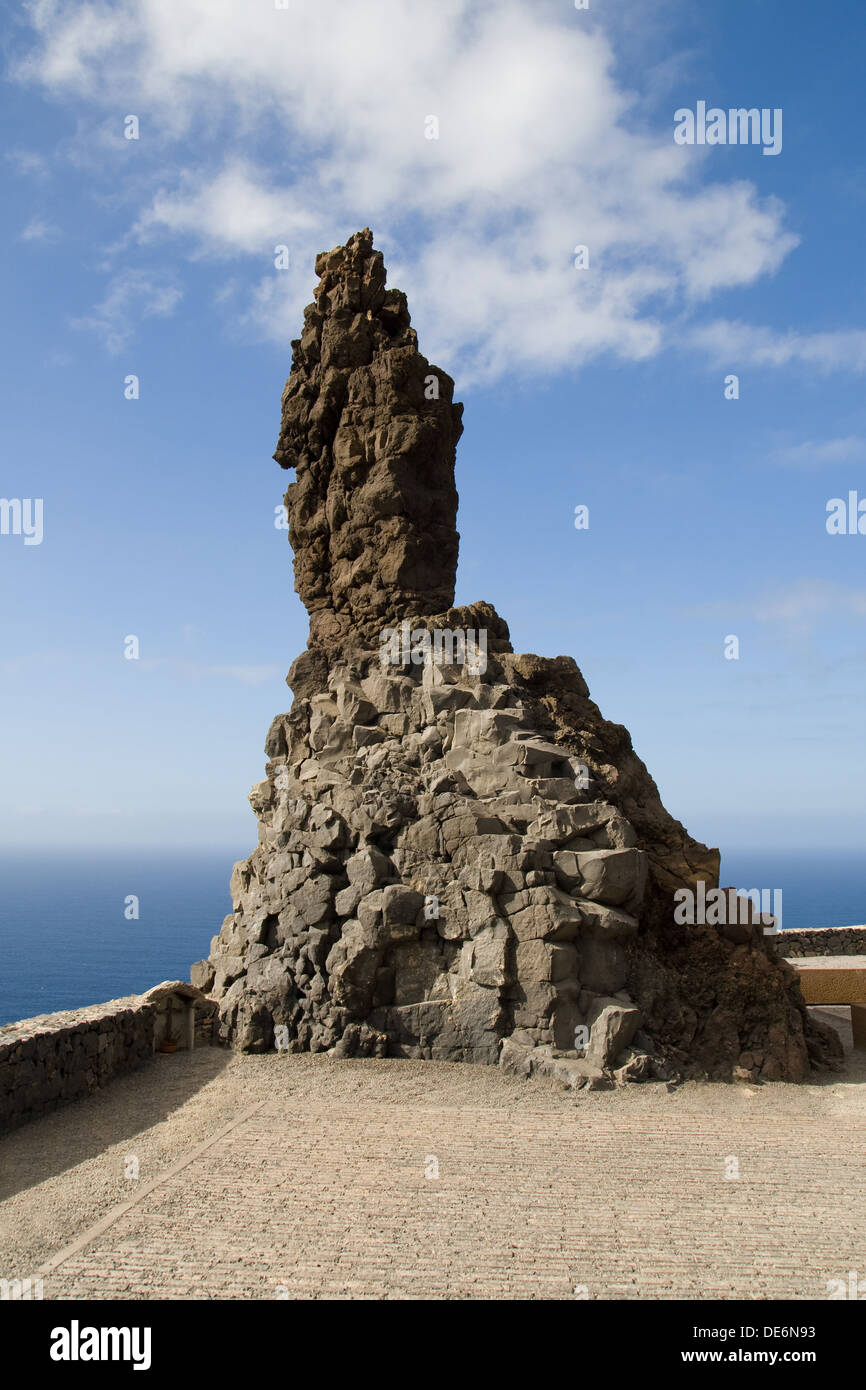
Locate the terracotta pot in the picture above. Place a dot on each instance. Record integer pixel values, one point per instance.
(168, 1046)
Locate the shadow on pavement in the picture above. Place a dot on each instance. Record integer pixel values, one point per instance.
(129, 1104)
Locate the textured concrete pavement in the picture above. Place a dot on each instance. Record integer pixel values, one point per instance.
(303, 1177)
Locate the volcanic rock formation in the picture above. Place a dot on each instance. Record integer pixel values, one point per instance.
(458, 857)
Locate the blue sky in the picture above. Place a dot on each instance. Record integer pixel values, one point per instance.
(260, 127)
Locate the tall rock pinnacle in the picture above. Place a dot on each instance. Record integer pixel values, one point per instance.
(459, 857)
(371, 430)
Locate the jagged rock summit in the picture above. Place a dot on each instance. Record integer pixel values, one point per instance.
(371, 430)
(458, 857)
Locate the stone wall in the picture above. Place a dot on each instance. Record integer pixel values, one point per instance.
(822, 941)
(206, 1021)
(52, 1059)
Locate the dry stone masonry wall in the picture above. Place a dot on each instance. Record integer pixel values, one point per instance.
(459, 857)
(55, 1058)
(821, 941)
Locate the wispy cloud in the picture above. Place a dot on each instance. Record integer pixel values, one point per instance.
(131, 296)
(33, 661)
(733, 343)
(29, 163)
(796, 608)
(806, 600)
(244, 673)
(38, 229)
(815, 453)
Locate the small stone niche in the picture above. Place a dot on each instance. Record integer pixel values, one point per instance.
(174, 1020)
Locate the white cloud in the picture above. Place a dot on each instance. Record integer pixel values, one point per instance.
(815, 453)
(37, 229)
(246, 675)
(810, 596)
(800, 606)
(132, 294)
(233, 211)
(302, 125)
(732, 343)
(796, 608)
(29, 163)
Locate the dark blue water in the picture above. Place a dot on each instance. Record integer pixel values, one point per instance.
(821, 888)
(64, 940)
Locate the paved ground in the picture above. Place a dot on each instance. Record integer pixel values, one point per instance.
(303, 1177)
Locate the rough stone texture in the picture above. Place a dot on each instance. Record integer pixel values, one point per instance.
(370, 429)
(454, 852)
(51, 1059)
(822, 941)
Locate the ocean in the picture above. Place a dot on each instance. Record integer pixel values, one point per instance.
(65, 940)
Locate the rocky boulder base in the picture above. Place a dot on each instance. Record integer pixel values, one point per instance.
(458, 857)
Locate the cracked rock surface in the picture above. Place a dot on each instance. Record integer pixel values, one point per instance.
(458, 859)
